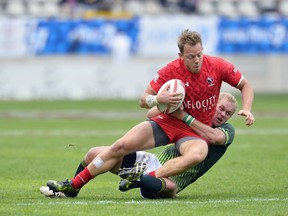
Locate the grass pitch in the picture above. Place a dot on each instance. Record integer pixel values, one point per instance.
(42, 140)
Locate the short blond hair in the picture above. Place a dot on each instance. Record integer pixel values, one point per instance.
(230, 98)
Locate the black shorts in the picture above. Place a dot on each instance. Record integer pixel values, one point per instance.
(160, 136)
(160, 139)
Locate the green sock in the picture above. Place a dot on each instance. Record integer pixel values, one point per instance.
(80, 168)
(152, 184)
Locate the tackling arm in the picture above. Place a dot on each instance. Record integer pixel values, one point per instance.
(212, 135)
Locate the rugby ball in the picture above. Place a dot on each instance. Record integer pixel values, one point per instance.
(175, 85)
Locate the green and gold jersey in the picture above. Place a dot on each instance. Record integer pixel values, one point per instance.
(214, 154)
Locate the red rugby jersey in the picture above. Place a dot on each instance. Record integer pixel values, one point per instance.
(202, 89)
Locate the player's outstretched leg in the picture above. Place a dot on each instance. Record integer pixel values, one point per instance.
(64, 187)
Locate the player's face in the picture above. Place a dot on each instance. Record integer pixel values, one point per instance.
(224, 111)
(192, 57)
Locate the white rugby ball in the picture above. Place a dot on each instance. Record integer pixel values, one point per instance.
(175, 85)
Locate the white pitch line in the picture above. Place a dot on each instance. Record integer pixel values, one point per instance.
(154, 202)
(57, 133)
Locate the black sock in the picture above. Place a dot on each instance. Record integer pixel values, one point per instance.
(80, 168)
(152, 184)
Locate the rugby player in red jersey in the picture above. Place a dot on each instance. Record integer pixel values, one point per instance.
(203, 76)
(137, 165)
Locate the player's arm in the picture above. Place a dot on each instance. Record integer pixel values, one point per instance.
(247, 100)
(212, 135)
(148, 98)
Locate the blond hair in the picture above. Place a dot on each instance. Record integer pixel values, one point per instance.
(229, 97)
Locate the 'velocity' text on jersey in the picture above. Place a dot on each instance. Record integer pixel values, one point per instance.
(204, 105)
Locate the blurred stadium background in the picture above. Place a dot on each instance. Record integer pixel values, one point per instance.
(86, 49)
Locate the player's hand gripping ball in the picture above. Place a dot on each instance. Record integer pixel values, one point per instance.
(175, 85)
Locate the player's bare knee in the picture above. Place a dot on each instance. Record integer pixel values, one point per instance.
(90, 155)
(192, 159)
(198, 158)
(195, 155)
(119, 147)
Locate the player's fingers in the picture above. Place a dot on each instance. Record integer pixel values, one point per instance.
(249, 117)
(242, 113)
(250, 120)
(176, 97)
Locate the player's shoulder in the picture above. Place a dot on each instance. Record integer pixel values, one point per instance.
(227, 125)
(229, 132)
(214, 59)
(175, 63)
(167, 72)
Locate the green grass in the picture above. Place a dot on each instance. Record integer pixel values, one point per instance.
(35, 146)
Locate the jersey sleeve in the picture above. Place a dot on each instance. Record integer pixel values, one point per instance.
(229, 132)
(161, 77)
(231, 75)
